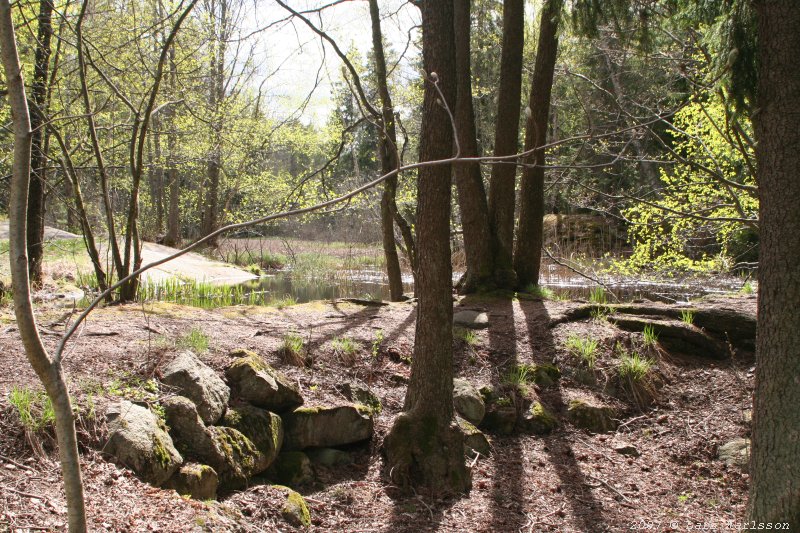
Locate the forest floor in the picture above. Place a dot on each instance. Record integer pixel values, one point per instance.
(569, 480)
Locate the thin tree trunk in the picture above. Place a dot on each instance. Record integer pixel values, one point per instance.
(528, 253)
(424, 446)
(173, 180)
(36, 188)
(469, 182)
(387, 151)
(49, 371)
(774, 465)
(506, 142)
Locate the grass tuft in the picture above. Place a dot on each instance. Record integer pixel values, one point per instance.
(292, 349)
(650, 336)
(687, 316)
(194, 340)
(583, 348)
(346, 349)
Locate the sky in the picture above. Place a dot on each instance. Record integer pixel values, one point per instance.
(290, 57)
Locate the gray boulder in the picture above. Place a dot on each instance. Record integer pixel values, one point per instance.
(292, 468)
(253, 380)
(538, 420)
(232, 454)
(475, 442)
(467, 401)
(139, 440)
(595, 418)
(735, 452)
(323, 427)
(471, 319)
(195, 480)
(198, 382)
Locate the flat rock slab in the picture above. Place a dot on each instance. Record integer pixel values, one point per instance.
(471, 319)
(735, 452)
(325, 427)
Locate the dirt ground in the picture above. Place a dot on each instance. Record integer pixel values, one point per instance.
(568, 481)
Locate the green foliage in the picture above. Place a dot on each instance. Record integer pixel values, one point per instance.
(632, 366)
(538, 291)
(292, 349)
(687, 316)
(583, 348)
(346, 349)
(597, 295)
(748, 288)
(650, 335)
(694, 224)
(34, 408)
(195, 340)
(377, 343)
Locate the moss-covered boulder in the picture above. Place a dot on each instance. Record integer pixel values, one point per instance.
(294, 510)
(546, 375)
(475, 442)
(468, 401)
(325, 427)
(500, 417)
(200, 383)
(233, 455)
(329, 457)
(538, 420)
(139, 440)
(253, 380)
(236, 458)
(265, 429)
(195, 480)
(362, 395)
(292, 468)
(595, 418)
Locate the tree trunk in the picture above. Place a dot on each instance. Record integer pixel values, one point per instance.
(506, 142)
(469, 182)
(424, 447)
(173, 236)
(49, 371)
(387, 151)
(216, 97)
(528, 253)
(774, 468)
(36, 188)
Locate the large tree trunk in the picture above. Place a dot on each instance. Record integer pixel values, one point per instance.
(49, 371)
(506, 142)
(774, 465)
(469, 182)
(528, 253)
(387, 151)
(425, 448)
(36, 188)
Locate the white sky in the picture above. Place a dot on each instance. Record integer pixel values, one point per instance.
(290, 54)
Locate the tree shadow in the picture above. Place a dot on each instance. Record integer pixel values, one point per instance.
(585, 508)
(415, 514)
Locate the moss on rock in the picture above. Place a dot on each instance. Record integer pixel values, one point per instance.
(295, 510)
(595, 418)
(263, 428)
(291, 468)
(539, 420)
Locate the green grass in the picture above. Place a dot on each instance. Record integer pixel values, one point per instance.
(346, 349)
(597, 295)
(519, 375)
(284, 301)
(748, 288)
(583, 348)
(633, 366)
(650, 335)
(538, 291)
(33, 407)
(600, 313)
(292, 349)
(687, 316)
(467, 336)
(377, 342)
(194, 340)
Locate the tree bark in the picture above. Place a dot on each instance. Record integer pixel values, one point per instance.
(424, 447)
(506, 142)
(468, 178)
(387, 151)
(528, 253)
(774, 468)
(48, 370)
(36, 188)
